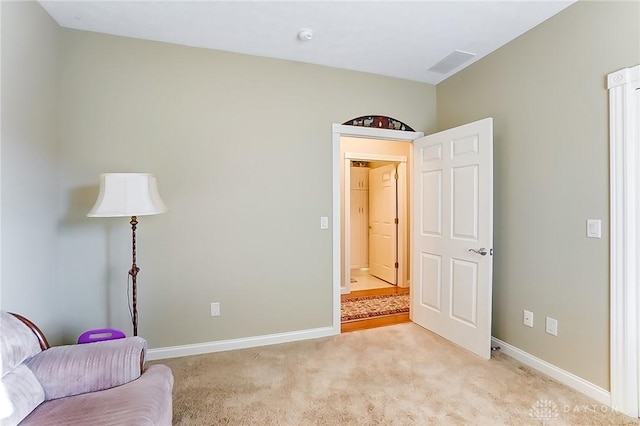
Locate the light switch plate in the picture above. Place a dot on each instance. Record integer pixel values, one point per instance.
(594, 228)
(552, 326)
(215, 309)
(324, 222)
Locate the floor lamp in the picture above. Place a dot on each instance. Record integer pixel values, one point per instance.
(124, 195)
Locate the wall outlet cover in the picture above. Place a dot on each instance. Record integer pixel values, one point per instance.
(527, 318)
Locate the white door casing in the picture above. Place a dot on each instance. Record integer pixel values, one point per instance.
(403, 226)
(452, 216)
(624, 125)
(340, 165)
(383, 231)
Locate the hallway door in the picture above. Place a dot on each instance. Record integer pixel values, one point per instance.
(453, 234)
(383, 229)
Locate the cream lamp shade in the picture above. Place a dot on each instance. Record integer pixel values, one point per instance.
(127, 194)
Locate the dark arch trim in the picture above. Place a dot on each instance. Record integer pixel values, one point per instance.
(379, 122)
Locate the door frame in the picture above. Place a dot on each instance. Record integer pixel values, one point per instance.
(401, 194)
(340, 130)
(624, 241)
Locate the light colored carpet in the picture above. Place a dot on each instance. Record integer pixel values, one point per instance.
(395, 375)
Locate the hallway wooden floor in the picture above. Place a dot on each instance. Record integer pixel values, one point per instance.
(379, 321)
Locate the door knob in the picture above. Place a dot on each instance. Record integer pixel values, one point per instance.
(481, 252)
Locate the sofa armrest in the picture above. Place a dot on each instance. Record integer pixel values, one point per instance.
(142, 402)
(76, 369)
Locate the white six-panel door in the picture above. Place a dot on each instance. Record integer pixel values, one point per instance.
(452, 227)
(382, 227)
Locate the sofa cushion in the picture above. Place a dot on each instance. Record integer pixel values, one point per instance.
(17, 342)
(21, 394)
(142, 402)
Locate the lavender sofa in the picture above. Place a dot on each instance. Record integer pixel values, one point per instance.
(101, 383)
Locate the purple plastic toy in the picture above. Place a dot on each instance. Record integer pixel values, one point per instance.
(100, 334)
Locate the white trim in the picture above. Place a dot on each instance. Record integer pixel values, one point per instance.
(345, 285)
(339, 130)
(242, 343)
(624, 240)
(623, 77)
(337, 270)
(374, 157)
(375, 133)
(562, 376)
(402, 213)
(403, 228)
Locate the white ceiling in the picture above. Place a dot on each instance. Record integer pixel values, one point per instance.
(393, 38)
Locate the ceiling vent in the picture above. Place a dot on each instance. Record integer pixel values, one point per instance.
(451, 62)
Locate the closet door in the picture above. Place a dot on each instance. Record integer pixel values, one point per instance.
(384, 228)
(359, 229)
(356, 229)
(359, 217)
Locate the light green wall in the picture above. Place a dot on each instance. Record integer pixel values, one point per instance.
(547, 93)
(29, 166)
(241, 147)
(242, 150)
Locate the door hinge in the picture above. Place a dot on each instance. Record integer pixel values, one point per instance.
(396, 265)
(395, 220)
(395, 176)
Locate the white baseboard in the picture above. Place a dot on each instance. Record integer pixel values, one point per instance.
(242, 343)
(593, 391)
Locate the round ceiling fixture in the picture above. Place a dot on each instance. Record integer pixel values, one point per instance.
(305, 35)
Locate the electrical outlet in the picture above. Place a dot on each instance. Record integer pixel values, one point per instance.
(215, 309)
(527, 318)
(552, 326)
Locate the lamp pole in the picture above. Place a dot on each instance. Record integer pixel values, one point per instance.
(134, 273)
